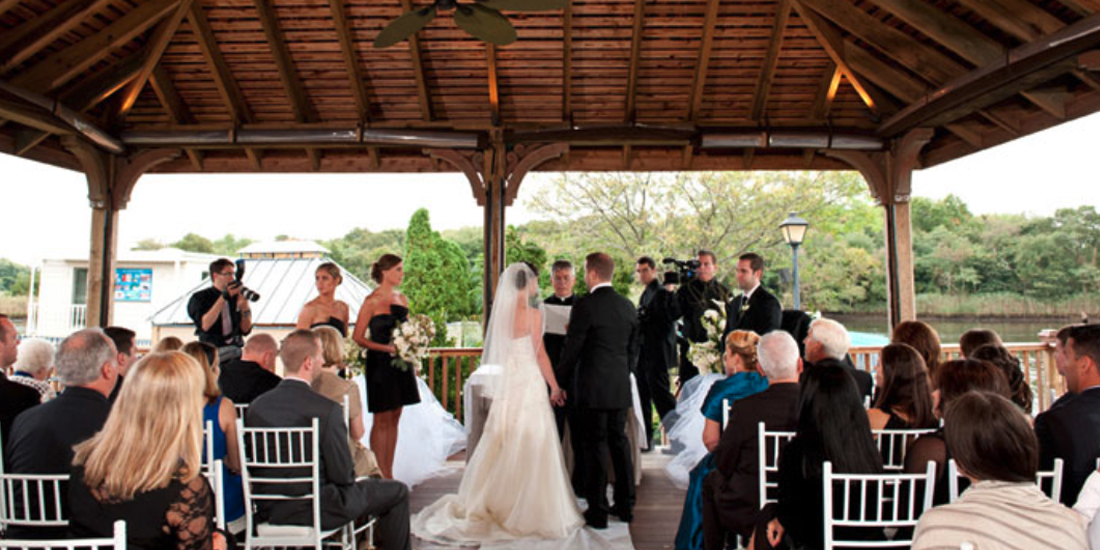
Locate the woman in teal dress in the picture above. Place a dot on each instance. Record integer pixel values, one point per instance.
(743, 380)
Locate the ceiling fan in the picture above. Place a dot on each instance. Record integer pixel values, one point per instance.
(481, 18)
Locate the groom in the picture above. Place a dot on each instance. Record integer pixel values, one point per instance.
(601, 344)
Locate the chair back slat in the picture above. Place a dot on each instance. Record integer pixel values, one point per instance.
(769, 444)
(894, 444)
(33, 500)
(874, 501)
(117, 541)
(241, 408)
(1048, 481)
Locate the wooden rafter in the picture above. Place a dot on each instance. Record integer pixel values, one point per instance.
(494, 83)
(771, 60)
(833, 44)
(635, 60)
(63, 66)
(227, 85)
(699, 82)
(567, 63)
(351, 60)
(32, 116)
(1082, 7)
(299, 102)
(175, 106)
(154, 50)
(418, 71)
(1019, 18)
(826, 92)
(19, 44)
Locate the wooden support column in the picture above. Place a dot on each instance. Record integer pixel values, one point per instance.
(111, 180)
(889, 177)
(495, 175)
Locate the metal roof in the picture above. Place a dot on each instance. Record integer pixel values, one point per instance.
(284, 285)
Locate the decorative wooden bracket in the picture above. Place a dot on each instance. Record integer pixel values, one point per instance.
(111, 181)
(889, 174)
(518, 162)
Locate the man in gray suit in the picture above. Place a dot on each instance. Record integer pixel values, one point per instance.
(294, 404)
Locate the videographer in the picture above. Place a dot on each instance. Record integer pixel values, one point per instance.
(658, 310)
(221, 313)
(696, 295)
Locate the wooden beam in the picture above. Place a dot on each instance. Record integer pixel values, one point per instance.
(1089, 61)
(33, 116)
(154, 50)
(66, 64)
(831, 40)
(20, 43)
(175, 106)
(567, 64)
(1020, 18)
(826, 92)
(418, 71)
(299, 102)
(699, 82)
(1012, 129)
(635, 60)
(6, 5)
(771, 60)
(1082, 7)
(923, 60)
(351, 59)
(494, 88)
(946, 29)
(1091, 81)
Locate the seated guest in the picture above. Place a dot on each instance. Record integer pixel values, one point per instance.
(832, 426)
(976, 338)
(955, 379)
(731, 492)
(144, 466)
(34, 366)
(904, 398)
(923, 338)
(343, 499)
(222, 416)
(1072, 431)
(168, 343)
(996, 450)
(1088, 507)
(828, 339)
(330, 385)
(1018, 386)
(42, 438)
(127, 353)
(743, 379)
(247, 377)
(14, 398)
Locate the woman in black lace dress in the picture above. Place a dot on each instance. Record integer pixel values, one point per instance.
(388, 387)
(325, 309)
(143, 467)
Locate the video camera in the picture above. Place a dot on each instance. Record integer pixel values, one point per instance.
(686, 270)
(248, 293)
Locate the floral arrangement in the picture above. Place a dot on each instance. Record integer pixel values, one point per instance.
(411, 341)
(706, 355)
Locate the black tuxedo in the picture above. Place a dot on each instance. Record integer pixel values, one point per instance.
(763, 314)
(243, 381)
(658, 310)
(731, 490)
(695, 298)
(293, 404)
(14, 399)
(600, 349)
(1071, 432)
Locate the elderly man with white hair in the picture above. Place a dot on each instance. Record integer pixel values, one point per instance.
(730, 493)
(34, 365)
(828, 339)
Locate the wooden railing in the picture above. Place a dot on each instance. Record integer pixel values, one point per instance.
(455, 364)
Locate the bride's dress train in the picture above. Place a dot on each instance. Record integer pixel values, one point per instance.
(516, 485)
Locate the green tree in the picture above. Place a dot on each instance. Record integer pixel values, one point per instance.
(14, 278)
(192, 242)
(148, 244)
(437, 275)
(230, 245)
(360, 248)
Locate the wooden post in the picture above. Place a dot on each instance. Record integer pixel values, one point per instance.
(900, 286)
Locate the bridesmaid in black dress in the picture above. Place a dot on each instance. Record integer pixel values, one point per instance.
(388, 388)
(325, 309)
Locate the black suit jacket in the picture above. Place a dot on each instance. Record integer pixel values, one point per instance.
(14, 399)
(555, 342)
(658, 310)
(293, 404)
(763, 315)
(1071, 432)
(42, 438)
(864, 382)
(601, 347)
(243, 381)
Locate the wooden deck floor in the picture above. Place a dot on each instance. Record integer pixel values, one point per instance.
(656, 514)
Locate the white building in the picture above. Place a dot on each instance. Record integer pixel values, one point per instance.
(145, 281)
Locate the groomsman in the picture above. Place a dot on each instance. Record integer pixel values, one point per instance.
(658, 310)
(755, 309)
(562, 277)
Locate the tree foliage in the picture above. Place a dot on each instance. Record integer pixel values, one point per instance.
(436, 275)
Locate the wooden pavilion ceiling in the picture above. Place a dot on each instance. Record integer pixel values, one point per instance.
(629, 84)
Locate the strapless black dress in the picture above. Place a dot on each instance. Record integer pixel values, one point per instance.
(335, 323)
(388, 387)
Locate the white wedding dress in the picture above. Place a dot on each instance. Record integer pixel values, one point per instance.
(516, 485)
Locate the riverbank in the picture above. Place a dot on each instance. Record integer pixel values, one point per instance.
(1018, 330)
(997, 306)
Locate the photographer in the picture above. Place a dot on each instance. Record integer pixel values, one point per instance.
(658, 310)
(696, 295)
(221, 313)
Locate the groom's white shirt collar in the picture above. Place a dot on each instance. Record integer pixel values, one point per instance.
(599, 286)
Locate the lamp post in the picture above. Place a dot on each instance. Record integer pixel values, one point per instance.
(794, 231)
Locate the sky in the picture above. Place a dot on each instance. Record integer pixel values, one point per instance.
(48, 215)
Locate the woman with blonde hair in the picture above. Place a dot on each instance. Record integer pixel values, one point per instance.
(222, 415)
(144, 466)
(330, 385)
(168, 343)
(325, 309)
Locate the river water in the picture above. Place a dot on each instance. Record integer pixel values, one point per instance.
(1011, 330)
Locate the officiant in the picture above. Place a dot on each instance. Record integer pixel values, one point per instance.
(558, 305)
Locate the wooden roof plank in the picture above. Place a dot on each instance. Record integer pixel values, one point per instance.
(418, 71)
(771, 60)
(699, 82)
(153, 52)
(351, 59)
(567, 64)
(299, 102)
(635, 59)
(20, 43)
(63, 66)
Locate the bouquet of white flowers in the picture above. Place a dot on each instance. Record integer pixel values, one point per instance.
(411, 340)
(706, 355)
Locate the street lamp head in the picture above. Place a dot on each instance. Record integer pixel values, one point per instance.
(794, 229)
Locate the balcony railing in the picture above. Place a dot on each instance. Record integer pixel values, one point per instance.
(449, 367)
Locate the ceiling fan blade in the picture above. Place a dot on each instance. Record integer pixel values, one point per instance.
(404, 26)
(485, 24)
(524, 5)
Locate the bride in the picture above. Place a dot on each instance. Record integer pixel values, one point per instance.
(515, 485)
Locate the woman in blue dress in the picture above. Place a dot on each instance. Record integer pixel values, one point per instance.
(743, 380)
